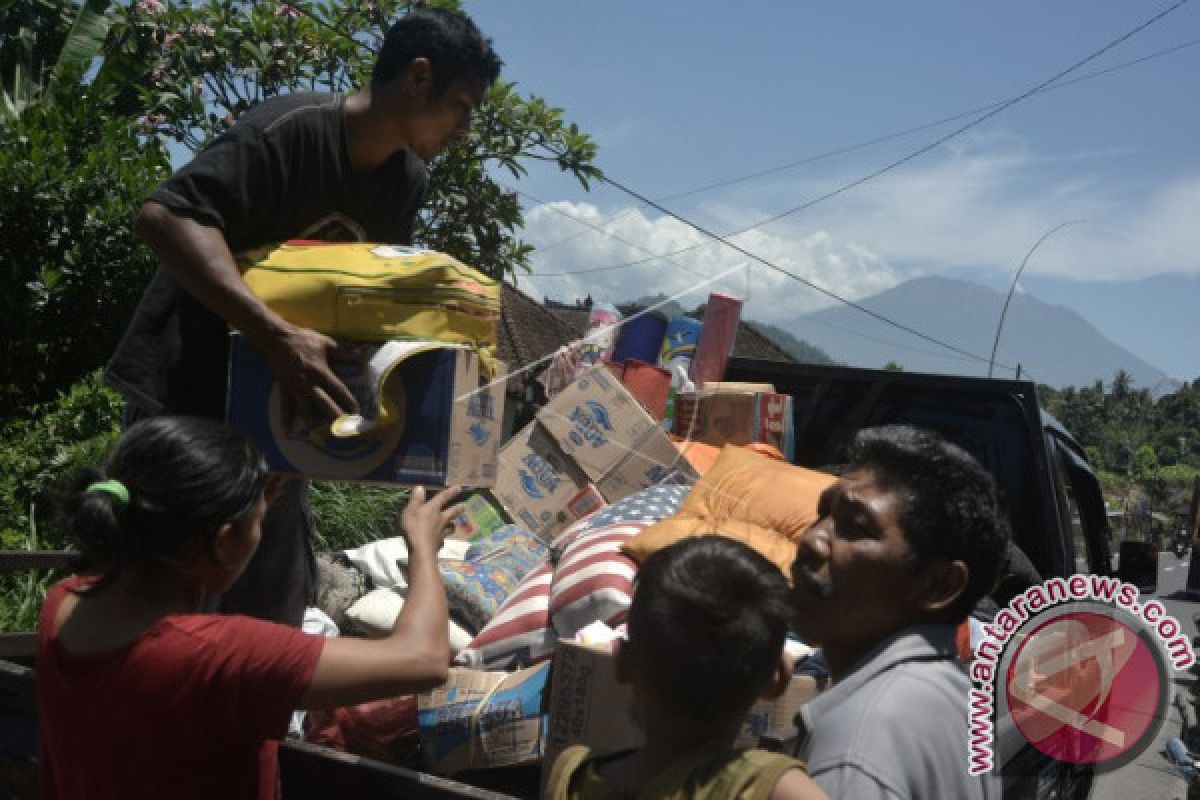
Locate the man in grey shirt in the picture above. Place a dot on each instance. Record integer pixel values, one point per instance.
(907, 541)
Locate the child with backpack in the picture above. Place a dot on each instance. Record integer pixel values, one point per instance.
(140, 694)
(706, 630)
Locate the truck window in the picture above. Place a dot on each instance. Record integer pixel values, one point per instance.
(1082, 507)
(1069, 510)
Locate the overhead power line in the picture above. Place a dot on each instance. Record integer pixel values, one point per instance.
(887, 137)
(916, 129)
(870, 176)
(992, 111)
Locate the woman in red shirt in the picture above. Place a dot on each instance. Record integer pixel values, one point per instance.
(140, 694)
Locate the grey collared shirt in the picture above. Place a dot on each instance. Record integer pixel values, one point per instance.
(895, 727)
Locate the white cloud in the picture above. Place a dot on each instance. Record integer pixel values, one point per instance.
(981, 204)
(847, 268)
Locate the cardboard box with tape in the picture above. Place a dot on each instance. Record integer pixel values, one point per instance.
(478, 720)
(593, 432)
(427, 417)
(536, 481)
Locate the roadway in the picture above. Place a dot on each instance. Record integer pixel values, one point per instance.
(1150, 776)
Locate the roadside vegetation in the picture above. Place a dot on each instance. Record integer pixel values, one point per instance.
(92, 95)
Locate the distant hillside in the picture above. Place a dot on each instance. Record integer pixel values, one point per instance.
(1053, 344)
(796, 348)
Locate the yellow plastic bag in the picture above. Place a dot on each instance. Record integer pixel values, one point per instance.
(372, 292)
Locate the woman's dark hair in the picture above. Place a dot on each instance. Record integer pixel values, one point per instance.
(950, 509)
(186, 477)
(454, 46)
(707, 625)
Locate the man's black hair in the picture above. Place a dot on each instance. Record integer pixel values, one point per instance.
(707, 625)
(950, 508)
(454, 46)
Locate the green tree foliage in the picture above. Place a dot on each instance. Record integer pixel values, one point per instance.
(195, 67)
(41, 447)
(1145, 463)
(71, 272)
(1129, 431)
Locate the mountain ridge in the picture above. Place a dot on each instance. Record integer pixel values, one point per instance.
(1053, 343)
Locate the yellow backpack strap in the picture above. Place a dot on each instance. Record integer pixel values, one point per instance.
(569, 762)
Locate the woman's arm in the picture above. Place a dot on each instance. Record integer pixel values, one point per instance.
(415, 656)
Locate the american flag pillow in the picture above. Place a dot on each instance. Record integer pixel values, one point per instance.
(593, 580)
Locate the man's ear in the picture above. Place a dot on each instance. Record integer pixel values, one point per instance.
(945, 583)
(417, 77)
(622, 668)
(781, 679)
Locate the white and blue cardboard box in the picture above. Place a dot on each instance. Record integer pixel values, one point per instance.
(593, 432)
(483, 719)
(447, 431)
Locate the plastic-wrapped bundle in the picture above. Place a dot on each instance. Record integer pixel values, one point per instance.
(601, 333)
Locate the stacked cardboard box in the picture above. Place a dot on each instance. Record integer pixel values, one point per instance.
(737, 413)
(483, 719)
(492, 719)
(592, 434)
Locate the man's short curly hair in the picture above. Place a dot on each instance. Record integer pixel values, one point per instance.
(950, 508)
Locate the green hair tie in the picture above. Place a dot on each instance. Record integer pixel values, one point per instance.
(113, 488)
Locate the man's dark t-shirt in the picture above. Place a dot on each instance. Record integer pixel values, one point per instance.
(282, 172)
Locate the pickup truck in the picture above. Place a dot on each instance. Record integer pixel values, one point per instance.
(1052, 496)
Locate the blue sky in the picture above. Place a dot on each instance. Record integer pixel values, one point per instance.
(682, 95)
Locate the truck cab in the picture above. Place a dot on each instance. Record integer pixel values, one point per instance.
(1050, 493)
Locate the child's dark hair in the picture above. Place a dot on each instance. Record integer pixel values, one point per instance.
(707, 625)
(454, 46)
(178, 480)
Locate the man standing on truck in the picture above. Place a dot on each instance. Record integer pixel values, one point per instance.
(907, 542)
(304, 165)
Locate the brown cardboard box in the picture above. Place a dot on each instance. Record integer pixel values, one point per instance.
(536, 481)
(594, 431)
(644, 466)
(447, 434)
(483, 719)
(588, 706)
(725, 413)
(597, 422)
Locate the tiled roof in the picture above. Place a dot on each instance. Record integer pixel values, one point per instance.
(528, 331)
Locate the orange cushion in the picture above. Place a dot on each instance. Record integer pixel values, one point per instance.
(703, 456)
(747, 496)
